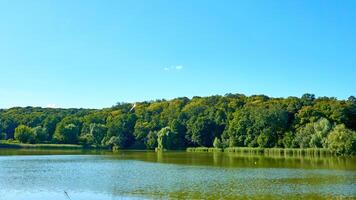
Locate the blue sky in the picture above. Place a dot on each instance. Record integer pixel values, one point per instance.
(93, 54)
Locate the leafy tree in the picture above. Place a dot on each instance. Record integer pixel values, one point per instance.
(86, 139)
(306, 115)
(350, 114)
(342, 140)
(93, 118)
(303, 135)
(8, 125)
(288, 140)
(352, 99)
(25, 134)
(151, 141)
(201, 131)
(116, 142)
(313, 134)
(271, 122)
(321, 130)
(67, 131)
(98, 132)
(266, 139)
(122, 127)
(308, 99)
(50, 124)
(330, 108)
(177, 126)
(167, 139)
(141, 130)
(293, 104)
(40, 133)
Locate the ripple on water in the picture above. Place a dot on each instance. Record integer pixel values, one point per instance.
(102, 177)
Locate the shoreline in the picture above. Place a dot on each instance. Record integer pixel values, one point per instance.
(237, 150)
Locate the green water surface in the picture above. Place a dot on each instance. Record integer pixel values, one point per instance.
(84, 175)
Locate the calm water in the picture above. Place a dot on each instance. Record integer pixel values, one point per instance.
(43, 174)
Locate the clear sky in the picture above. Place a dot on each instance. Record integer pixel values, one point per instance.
(93, 54)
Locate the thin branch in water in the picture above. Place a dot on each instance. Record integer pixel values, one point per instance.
(67, 195)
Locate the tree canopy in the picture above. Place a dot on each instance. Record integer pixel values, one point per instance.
(232, 120)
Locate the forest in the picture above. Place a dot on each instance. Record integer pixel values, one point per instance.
(232, 120)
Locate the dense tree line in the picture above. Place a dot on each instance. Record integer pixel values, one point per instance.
(233, 120)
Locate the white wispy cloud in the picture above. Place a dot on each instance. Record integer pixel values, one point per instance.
(173, 67)
(51, 105)
(179, 67)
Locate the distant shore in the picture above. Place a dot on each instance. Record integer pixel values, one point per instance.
(242, 150)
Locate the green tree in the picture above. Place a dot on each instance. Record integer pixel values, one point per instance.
(66, 133)
(25, 134)
(306, 115)
(50, 124)
(167, 139)
(116, 142)
(178, 127)
(8, 125)
(98, 117)
(201, 131)
(151, 142)
(141, 130)
(86, 139)
(308, 99)
(40, 133)
(269, 121)
(122, 127)
(342, 140)
(321, 130)
(288, 140)
(352, 99)
(313, 134)
(98, 132)
(350, 110)
(304, 134)
(266, 139)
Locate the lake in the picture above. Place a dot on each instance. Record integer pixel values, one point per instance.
(84, 175)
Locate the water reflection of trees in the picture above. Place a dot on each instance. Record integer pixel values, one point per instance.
(243, 160)
(224, 159)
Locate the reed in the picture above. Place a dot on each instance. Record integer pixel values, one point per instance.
(316, 152)
(204, 149)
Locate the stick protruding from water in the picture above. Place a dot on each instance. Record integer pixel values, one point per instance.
(67, 195)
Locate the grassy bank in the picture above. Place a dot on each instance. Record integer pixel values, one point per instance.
(266, 151)
(5, 144)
